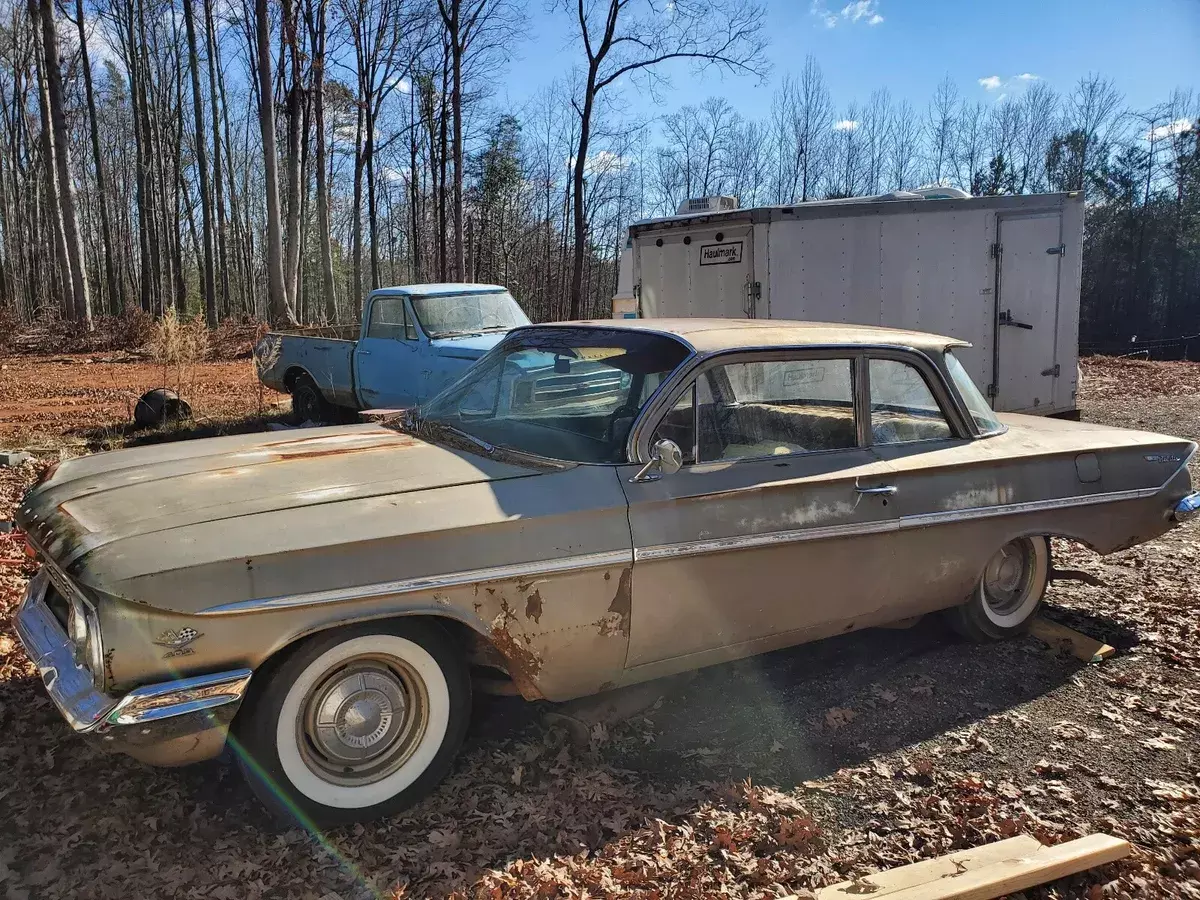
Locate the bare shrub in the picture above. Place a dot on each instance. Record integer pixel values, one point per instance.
(178, 344)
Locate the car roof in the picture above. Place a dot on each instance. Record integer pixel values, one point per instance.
(707, 336)
(439, 289)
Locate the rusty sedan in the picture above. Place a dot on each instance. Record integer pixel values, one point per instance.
(591, 505)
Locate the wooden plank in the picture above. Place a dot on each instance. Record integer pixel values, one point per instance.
(1083, 647)
(901, 878)
(1020, 873)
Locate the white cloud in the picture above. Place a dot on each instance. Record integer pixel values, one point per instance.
(604, 162)
(1179, 126)
(846, 125)
(1028, 76)
(1002, 98)
(403, 85)
(866, 11)
(990, 83)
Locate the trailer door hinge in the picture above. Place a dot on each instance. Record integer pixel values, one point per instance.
(753, 295)
(991, 391)
(1060, 250)
(1054, 370)
(996, 251)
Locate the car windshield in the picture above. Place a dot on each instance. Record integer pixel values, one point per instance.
(985, 419)
(568, 394)
(449, 315)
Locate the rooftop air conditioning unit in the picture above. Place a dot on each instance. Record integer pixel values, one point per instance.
(698, 205)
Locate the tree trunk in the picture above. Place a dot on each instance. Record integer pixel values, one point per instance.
(356, 225)
(456, 49)
(288, 37)
(114, 291)
(210, 41)
(585, 128)
(280, 310)
(209, 281)
(317, 32)
(61, 288)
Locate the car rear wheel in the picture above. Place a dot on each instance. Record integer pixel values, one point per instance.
(1009, 592)
(308, 403)
(357, 723)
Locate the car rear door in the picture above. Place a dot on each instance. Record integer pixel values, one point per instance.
(778, 529)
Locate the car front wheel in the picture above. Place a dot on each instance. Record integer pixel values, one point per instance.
(356, 723)
(1008, 594)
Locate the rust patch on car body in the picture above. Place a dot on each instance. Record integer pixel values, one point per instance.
(616, 623)
(523, 664)
(533, 607)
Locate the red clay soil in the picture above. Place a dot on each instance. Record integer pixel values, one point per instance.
(71, 398)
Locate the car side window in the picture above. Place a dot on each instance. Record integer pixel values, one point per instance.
(389, 319)
(903, 407)
(679, 425)
(776, 407)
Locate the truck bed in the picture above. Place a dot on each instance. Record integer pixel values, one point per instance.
(319, 351)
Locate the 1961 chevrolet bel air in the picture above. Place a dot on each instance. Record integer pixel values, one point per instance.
(591, 505)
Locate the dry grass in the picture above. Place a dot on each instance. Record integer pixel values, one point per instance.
(177, 345)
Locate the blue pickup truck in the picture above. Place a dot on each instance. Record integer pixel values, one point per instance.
(414, 340)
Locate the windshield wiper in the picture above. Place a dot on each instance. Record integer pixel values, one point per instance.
(426, 425)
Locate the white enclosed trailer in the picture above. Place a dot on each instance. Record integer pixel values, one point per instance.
(1000, 272)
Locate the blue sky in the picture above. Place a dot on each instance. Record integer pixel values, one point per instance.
(1146, 48)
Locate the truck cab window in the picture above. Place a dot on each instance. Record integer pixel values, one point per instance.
(389, 319)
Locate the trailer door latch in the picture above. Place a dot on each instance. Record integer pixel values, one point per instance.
(1054, 370)
(1006, 318)
(1060, 250)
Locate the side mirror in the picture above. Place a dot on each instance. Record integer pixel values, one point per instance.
(665, 459)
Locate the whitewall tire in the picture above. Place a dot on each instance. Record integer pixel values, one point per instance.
(356, 723)
(1008, 594)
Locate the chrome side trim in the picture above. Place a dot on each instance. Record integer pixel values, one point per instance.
(923, 520)
(430, 582)
(766, 539)
(179, 698)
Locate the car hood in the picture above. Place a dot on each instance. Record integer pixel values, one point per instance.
(115, 515)
(467, 346)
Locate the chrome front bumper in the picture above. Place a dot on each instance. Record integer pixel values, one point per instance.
(172, 723)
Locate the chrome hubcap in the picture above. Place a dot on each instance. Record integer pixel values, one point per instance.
(1008, 576)
(362, 720)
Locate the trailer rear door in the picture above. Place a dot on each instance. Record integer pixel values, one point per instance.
(697, 273)
(1027, 313)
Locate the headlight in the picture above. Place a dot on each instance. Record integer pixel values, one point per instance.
(83, 629)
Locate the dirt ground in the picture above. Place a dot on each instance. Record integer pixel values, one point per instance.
(757, 779)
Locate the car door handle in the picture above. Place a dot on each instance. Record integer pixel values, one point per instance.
(883, 489)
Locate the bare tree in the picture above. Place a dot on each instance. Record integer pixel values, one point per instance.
(802, 113)
(82, 301)
(939, 131)
(280, 309)
(466, 21)
(316, 17)
(1038, 113)
(110, 277)
(847, 171)
(876, 125)
(970, 142)
(1092, 111)
(630, 37)
(209, 269)
(904, 141)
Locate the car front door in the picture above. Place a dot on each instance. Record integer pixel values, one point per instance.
(778, 527)
(388, 359)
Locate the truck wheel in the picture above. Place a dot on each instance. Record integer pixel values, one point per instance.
(356, 723)
(308, 403)
(1009, 592)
